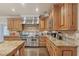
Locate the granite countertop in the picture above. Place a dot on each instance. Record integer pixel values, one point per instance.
(62, 42)
(7, 47)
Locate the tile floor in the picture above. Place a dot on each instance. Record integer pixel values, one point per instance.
(36, 52)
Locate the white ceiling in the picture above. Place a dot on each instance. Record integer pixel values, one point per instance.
(26, 9)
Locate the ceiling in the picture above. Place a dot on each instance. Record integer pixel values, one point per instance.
(23, 8)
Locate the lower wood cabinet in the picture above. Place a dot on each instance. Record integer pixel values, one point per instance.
(43, 44)
(60, 50)
(10, 38)
(67, 51)
(51, 48)
(42, 41)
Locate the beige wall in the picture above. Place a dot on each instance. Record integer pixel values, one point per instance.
(3, 20)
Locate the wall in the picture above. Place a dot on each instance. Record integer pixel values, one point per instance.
(3, 20)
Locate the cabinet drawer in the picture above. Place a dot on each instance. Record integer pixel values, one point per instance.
(67, 53)
(42, 43)
(42, 40)
(12, 38)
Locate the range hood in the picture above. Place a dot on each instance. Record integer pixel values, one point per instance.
(30, 20)
(45, 14)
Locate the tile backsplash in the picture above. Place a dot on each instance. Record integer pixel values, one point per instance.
(70, 34)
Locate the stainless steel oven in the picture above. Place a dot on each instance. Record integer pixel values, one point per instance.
(31, 40)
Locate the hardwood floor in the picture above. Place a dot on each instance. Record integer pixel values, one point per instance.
(36, 52)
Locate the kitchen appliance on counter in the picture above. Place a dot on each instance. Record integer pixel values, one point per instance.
(52, 33)
(55, 34)
(59, 36)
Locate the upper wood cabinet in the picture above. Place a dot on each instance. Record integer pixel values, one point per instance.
(56, 17)
(14, 24)
(64, 16)
(10, 24)
(68, 17)
(42, 23)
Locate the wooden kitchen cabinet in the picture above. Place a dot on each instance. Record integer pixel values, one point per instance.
(51, 48)
(14, 24)
(69, 17)
(42, 41)
(10, 38)
(64, 16)
(42, 23)
(10, 23)
(60, 50)
(67, 51)
(56, 16)
(74, 17)
(18, 24)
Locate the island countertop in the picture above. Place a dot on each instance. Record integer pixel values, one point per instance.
(10, 47)
(57, 42)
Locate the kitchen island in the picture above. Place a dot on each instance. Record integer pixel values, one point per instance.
(61, 47)
(10, 48)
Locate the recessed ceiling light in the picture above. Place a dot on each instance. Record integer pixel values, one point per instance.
(13, 10)
(36, 9)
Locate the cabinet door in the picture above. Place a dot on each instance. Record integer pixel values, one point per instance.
(14, 24)
(63, 21)
(69, 17)
(67, 53)
(10, 24)
(45, 28)
(20, 24)
(43, 44)
(42, 24)
(74, 17)
(56, 18)
(17, 24)
(42, 41)
(65, 14)
(49, 48)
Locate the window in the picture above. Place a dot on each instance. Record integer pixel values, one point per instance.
(6, 31)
